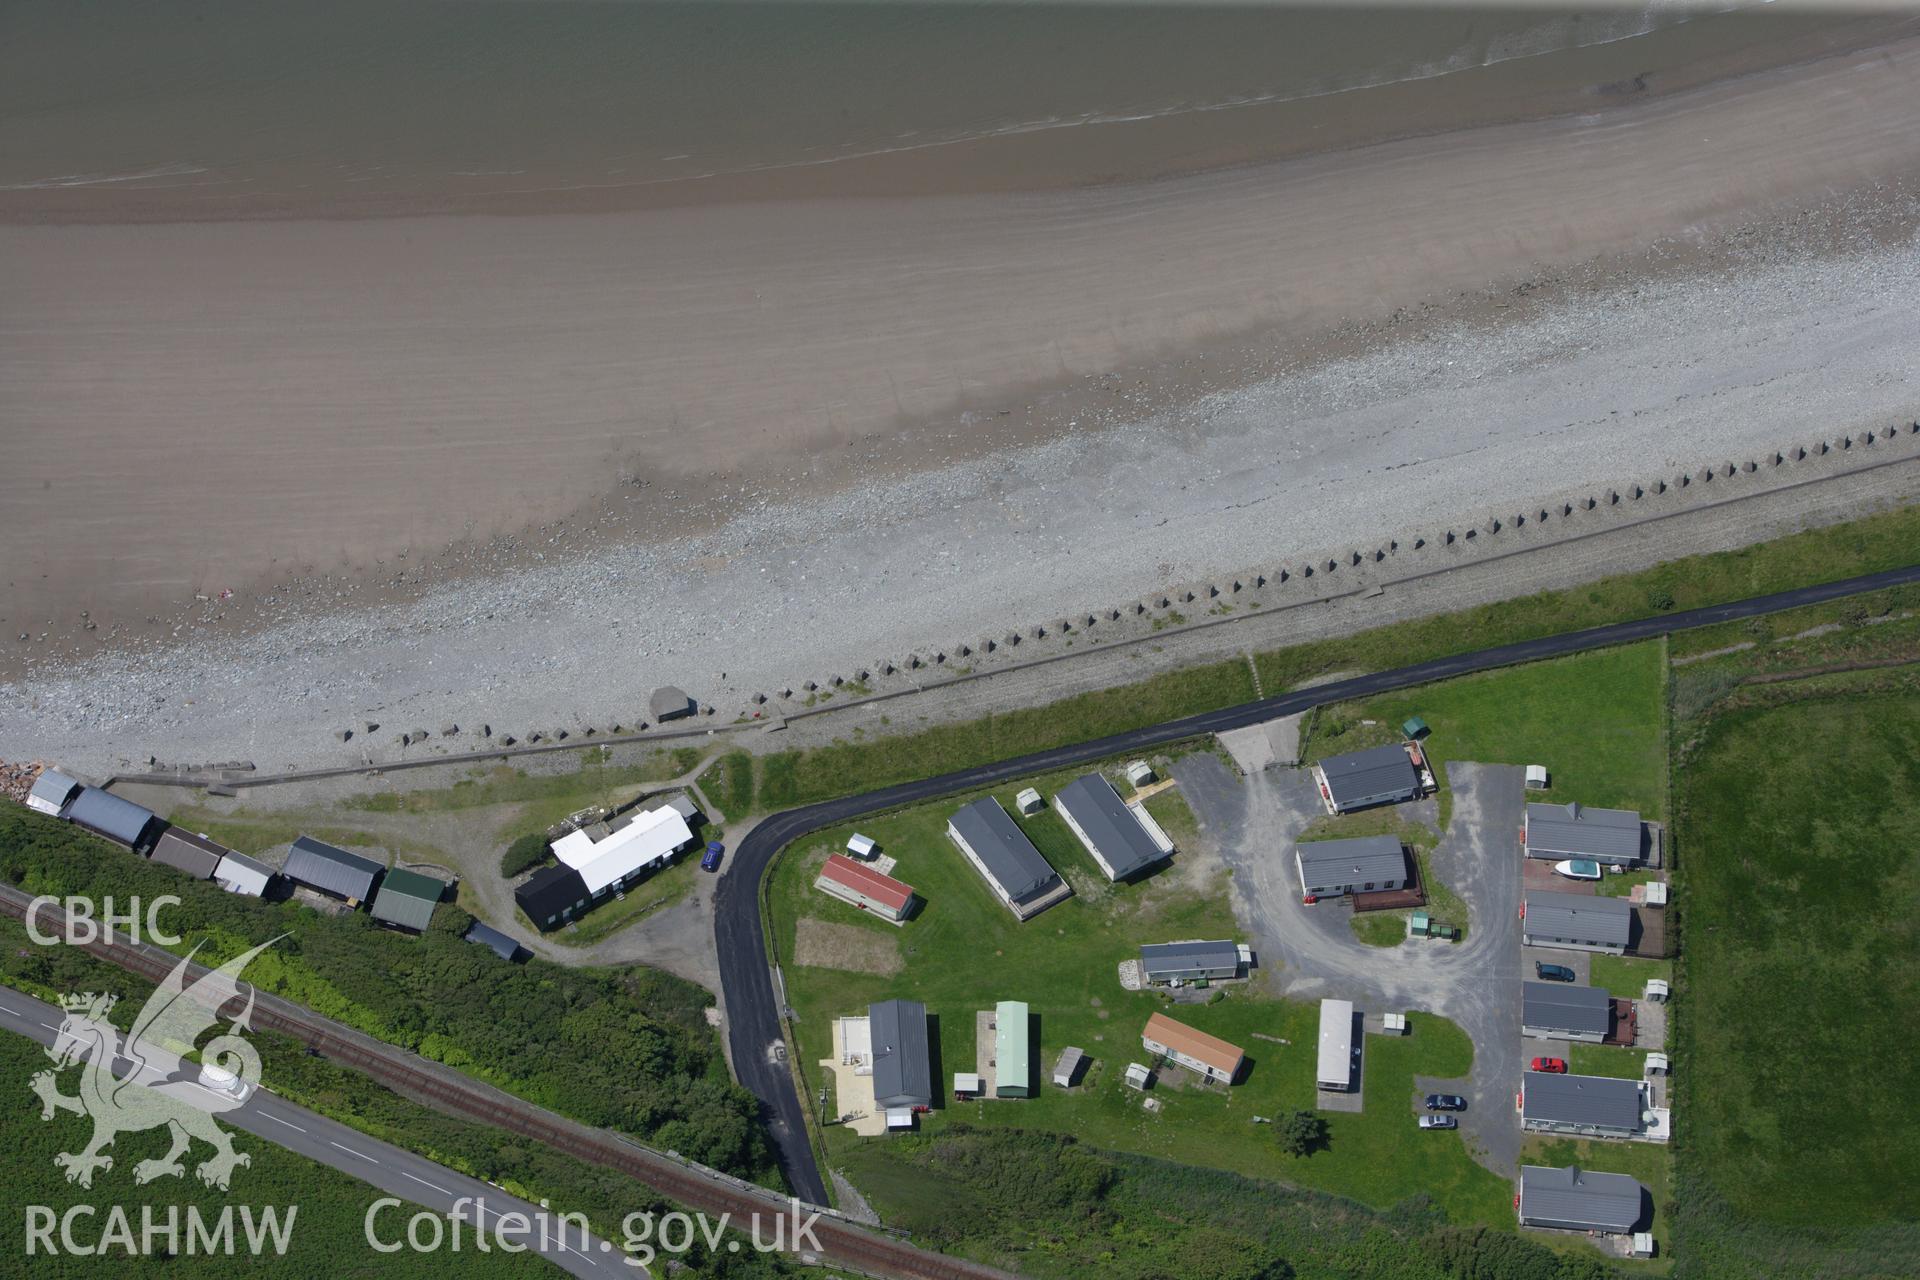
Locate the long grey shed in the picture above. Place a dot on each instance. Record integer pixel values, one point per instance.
(1001, 851)
(1107, 827)
(1575, 1199)
(1597, 1105)
(321, 866)
(1378, 775)
(1355, 865)
(902, 1069)
(121, 821)
(1563, 1011)
(1583, 922)
(184, 851)
(503, 945)
(1187, 961)
(1573, 830)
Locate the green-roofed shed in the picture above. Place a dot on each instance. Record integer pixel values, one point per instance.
(1012, 1065)
(1415, 728)
(407, 899)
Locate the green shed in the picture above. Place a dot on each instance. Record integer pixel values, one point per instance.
(1415, 728)
(1419, 924)
(407, 899)
(1012, 1068)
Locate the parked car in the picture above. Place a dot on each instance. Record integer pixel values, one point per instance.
(1557, 1066)
(712, 861)
(1578, 869)
(1553, 972)
(1439, 1122)
(1446, 1102)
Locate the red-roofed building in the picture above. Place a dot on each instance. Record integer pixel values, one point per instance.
(865, 888)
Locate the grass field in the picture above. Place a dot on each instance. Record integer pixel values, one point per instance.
(1593, 719)
(328, 1206)
(1607, 1060)
(964, 951)
(1801, 887)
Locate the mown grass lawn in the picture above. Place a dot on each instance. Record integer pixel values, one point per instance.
(1627, 976)
(1595, 720)
(964, 951)
(1801, 883)
(1607, 1060)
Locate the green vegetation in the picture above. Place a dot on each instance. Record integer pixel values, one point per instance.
(1608, 1060)
(524, 854)
(801, 777)
(728, 783)
(625, 1047)
(1046, 1205)
(965, 951)
(1799, 886)
(1380, 928)
(1627, 976)
(326, 1206)
(1854, 611)
(549, 797)
(1301, 1134)
(1593, 719)
(533, 1171)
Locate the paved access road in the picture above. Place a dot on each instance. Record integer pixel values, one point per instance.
(1476, 983)
(411, 1178)
(746, 976)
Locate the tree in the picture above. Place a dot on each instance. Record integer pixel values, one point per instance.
(1301, 1134)
(529, 850)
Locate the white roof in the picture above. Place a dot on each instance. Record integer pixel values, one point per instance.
(860, 844)
(1657, 1062)
(649, 837)
(967, 1082)
(1336, 1041)
(242, 875)
(1537, 773)
(899, 1117)
(1656, 893)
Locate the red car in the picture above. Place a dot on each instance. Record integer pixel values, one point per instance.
(1557, 1066)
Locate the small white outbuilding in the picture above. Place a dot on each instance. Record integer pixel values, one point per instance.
(1029, 802)
(861, 846)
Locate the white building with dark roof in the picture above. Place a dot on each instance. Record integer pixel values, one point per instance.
(1562, 1011)
(1116, 835)
(1362, 779)
(1162, 962)
(1577, 922)
(1573, 1199)
(1612, 837)
(1025, 882)
(1362, 864)
(1583, 1106)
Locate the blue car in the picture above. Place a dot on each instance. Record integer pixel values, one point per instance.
(712, 861)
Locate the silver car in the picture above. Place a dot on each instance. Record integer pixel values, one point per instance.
(1439, 1122)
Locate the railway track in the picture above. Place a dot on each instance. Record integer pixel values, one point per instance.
(842, 1243)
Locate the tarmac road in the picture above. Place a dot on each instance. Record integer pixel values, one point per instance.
(746, 977)
(411, 1178)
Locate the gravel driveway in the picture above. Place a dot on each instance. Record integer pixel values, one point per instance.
(1476, 983)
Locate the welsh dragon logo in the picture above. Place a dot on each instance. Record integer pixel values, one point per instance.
(156, 1086)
